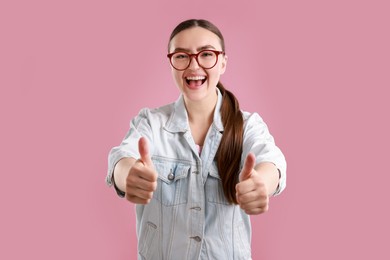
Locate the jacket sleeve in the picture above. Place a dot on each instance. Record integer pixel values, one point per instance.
(258, 140)
(139, 126)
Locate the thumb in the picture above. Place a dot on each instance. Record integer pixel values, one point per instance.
(248, 167)
(143, 149)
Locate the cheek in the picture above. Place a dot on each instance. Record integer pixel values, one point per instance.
(177, 76)
(214, 74)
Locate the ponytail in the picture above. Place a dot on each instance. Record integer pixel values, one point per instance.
(230, 149)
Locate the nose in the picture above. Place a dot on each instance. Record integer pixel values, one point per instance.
(193, 63)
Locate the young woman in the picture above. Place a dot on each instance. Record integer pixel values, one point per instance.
(197, 168)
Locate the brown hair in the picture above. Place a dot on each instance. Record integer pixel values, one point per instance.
(230, 149)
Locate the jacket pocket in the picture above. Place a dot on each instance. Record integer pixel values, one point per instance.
(172, 184)
(242, 247)
(147, 240)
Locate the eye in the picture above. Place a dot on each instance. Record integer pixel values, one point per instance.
(180, 56)
(207, 54)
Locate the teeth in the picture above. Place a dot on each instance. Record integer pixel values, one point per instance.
(196, 78)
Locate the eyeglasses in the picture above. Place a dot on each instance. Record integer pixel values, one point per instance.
(206, 59)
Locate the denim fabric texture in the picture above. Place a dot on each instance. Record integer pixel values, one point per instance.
(189, 216)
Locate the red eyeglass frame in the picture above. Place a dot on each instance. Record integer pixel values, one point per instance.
(217, 53)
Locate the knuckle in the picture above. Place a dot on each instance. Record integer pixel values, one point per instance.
(131, 178)
(258, 183)
(154, 176)
(244, 206)
(150, 186)
(150, 195)
(136, 167)
(249, 212)
(154, 185)
(130, 198)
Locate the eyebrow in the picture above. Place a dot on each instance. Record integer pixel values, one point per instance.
(206, 47)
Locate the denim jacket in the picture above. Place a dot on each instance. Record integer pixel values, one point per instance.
(189, 216)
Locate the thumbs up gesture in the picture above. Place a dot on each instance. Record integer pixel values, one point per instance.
(141, 181)
(251, 191)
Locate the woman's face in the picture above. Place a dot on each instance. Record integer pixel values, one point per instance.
(195, 82)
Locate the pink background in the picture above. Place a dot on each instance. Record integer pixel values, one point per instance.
(73, 73)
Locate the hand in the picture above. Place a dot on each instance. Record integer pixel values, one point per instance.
(141, 181)
(251, 191)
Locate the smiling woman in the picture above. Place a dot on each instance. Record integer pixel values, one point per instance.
(197, 168)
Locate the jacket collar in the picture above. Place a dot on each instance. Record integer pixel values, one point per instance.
(178, 121)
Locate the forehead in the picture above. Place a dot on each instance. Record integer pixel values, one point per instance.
(195, 38)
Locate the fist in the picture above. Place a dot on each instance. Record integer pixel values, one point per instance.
(141, 181)
(251, 191)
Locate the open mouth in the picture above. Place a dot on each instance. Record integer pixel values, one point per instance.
(195, 81)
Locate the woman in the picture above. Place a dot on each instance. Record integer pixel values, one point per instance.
(197, 168)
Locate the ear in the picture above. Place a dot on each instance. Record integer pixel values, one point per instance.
(223, 64)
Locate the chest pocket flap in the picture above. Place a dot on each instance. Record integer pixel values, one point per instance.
(172, 187)
(169, 172)
(214, 190)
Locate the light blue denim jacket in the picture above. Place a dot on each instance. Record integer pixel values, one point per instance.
(189, 217)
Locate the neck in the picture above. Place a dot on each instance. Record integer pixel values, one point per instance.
(201, 111)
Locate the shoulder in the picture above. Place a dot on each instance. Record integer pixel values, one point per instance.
(158, 112)
(154, 115)
(251, 119)
(255, 129)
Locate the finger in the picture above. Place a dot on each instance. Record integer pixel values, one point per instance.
(248, 167)
(256, 211)
(140, 174)
(245, 186)
(137, 200)
(249, 203)
(132, 190)
(252, 187)
(142, 194)
(248, 197)
(143, 149)
(145, 185)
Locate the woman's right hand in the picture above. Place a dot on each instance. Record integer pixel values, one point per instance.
(141, 180)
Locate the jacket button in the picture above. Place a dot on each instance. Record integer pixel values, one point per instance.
(197, 238)
(171, 176)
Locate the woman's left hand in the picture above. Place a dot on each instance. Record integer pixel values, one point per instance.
(251, 191)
